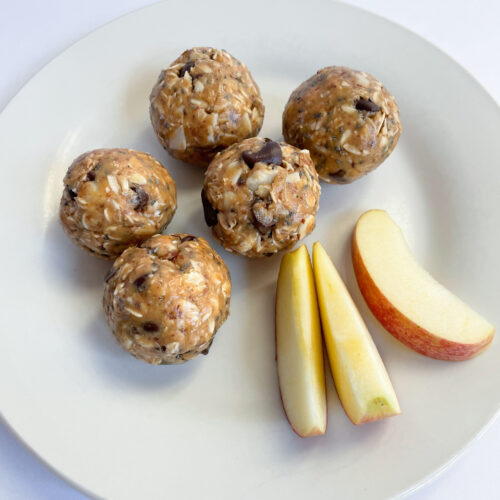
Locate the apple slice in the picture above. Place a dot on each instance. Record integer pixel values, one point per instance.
(409, 303)
(299, 348)
(362, 382)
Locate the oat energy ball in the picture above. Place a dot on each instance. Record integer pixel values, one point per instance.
(165, 300)
(115, 198)
(204, 102)
(260, 197)
(346, 119)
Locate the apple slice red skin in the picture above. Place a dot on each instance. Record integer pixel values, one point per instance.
(403, 328)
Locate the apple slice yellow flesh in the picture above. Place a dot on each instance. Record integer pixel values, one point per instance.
(407, 300)
(362, 382)
(299, 348)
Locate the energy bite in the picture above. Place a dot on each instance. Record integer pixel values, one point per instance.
(260, 197)
(202, 103)
(346, 119)
(115, 198)
(165, 300)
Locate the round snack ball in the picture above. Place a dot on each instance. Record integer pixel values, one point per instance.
(205, 101)
(115, 198)
(346, 119)
(165, 300)
(260, 197)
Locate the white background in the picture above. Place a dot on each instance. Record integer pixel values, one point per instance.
(34, 32)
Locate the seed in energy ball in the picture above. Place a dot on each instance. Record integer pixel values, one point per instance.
(347, 120)
(202, 103)
(260, 196)
(115, 198)
(165, 300)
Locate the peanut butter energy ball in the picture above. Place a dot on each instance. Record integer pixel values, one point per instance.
(202, 103)
(115, 198)
(260, 197)
(346, 119)
(165, 300)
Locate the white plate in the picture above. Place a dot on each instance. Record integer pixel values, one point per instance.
(214, 428)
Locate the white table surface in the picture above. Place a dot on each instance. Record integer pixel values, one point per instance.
(32, 32)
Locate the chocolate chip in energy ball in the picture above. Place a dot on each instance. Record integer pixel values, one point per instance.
(186, 68)
(140, 282)
(269, 153)
(149, 326)
(209, 211)
(141, 198)
(363, 104)
(189, 237)
(337, 174)
(71, 193)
